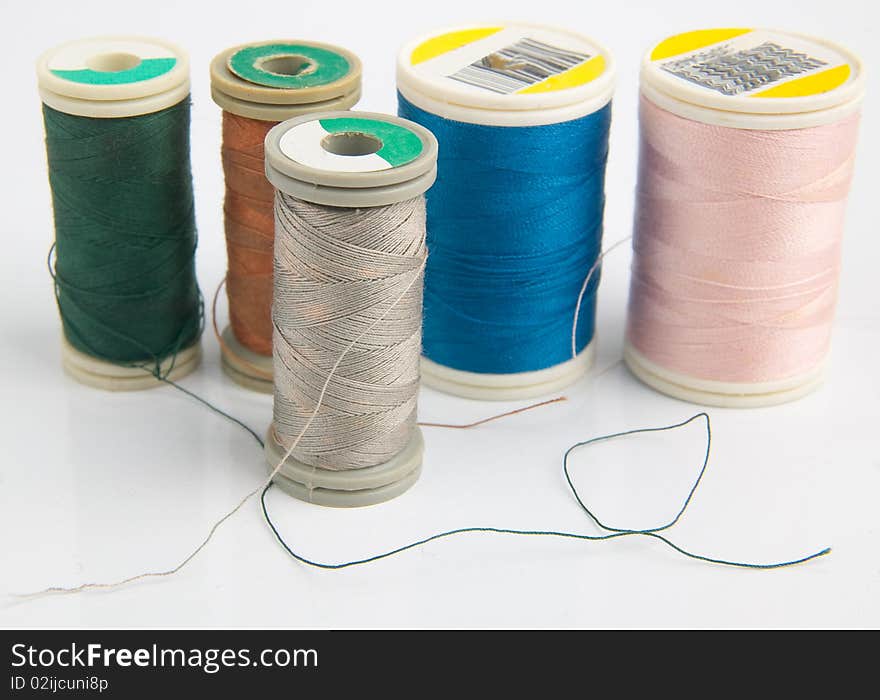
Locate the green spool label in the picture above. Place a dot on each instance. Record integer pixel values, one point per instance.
(113, 61)
(351, 144)
(145, 70)
(288, 66)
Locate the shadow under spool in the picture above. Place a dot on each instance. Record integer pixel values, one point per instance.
(353, 161)
(117, 94)
(738, 82)
(259, 85)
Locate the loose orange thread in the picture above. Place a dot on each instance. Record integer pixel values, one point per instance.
(464, 426)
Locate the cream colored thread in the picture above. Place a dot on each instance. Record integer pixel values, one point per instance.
(498, 416)
(577, 307)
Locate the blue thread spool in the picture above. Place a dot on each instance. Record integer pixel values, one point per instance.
(521, 113)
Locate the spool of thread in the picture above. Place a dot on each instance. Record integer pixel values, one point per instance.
(116, 112)
(258, 85)
(521, 113)
(347, 309)
(748, 139)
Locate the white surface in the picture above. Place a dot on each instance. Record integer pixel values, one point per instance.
(98, 486)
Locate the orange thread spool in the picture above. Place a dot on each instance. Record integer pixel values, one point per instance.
(257, 86)
(250, 231)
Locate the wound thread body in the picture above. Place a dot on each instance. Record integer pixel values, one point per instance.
(737, 246)
(514, 226)
(250, 231)
(125, 234)
(337, 273)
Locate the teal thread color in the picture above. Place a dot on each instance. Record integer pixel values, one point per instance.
(147, 69)
(125, 235)
(328, 66)
(515, 222)
(399, 145)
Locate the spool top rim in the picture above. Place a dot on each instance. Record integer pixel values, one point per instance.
(746, 72)
(344, 158)
(509, 74)
(275, 79)
(113, 76)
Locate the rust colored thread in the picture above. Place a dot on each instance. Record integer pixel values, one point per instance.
(250, 231)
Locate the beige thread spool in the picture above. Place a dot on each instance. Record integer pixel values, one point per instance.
(352, 161)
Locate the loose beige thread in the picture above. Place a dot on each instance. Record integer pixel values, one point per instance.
(483, 421)
(170, 572)
(416, 276)
(577, 307)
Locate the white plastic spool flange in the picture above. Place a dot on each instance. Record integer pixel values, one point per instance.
(113, 77)
(244, 366)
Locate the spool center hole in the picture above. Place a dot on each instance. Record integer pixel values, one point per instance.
(351, 143)
(291, 65)
(113, 62)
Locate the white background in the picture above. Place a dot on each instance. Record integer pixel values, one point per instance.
(99, 486)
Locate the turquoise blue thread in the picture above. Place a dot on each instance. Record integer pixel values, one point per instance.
(514, 226)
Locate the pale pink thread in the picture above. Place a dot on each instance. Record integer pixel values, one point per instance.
(737, 246)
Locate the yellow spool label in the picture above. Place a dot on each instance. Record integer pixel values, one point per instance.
(447, 42)
(691, 41)
(756, 63)
(510, 60)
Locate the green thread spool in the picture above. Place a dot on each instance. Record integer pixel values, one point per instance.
(117, 115)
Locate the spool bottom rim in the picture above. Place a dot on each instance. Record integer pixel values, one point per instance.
(244, 366)
(348, 488)
(721, 394)
(507, 387)
(101, 374)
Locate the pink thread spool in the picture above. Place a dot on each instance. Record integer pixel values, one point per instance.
(747, 145)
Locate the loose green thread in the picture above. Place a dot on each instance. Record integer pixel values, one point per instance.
(610, 534)
(125, 235)
(216, 409)
(611, 531)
